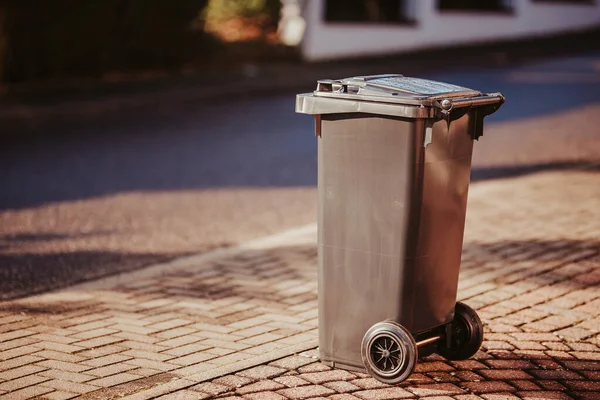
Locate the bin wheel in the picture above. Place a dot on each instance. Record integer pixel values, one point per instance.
(466, 334)
(389, 352)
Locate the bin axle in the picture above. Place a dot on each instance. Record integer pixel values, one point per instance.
(427, 341)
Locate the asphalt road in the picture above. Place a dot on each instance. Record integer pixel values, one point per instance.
(85, 199)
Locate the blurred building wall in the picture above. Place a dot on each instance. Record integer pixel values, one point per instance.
(428, 24)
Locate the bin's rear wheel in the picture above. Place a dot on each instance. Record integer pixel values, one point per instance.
(389, 352)
(466, 334)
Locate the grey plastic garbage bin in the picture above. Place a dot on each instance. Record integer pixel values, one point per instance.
(394, 168)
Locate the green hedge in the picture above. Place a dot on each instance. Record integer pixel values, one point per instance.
(49, 39)
(223, 10)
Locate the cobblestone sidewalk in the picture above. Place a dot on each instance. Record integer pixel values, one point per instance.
(242, 323)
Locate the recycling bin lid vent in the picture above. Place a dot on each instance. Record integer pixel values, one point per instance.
(395, 86)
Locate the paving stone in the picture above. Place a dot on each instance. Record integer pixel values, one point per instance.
(98, 342)
(510, 364)
(233, 381)
(291, 381)
(184, 350)
(134, 337)
(101, 351)
(586, 395)
(211, 388)
(549, 395)
(437, 389)
(22, 382)
(59, 356)
(583, 365)
(468, 376)
(110, 370)
(504, 374)
(344, 396)
(384, 394)
(305, 392)
(341, 386)
(327, 376)
(142, 346)
(27, 393)
(106, 360)
(500, 396)
(63, 366)
(67, 376)
(314, 367)
(19, 361)
(181, 341)
(175, 333)
(145, 372)
(114, 380)
(8, 336)
(524, 385)
(487, 387)
(555, 374)
(262, 372)
(94, 333)
(433, 366)
(583, 385)
(368, 383)
(59, 395)
(292, 362)
(193, 369)
(442, 377)
(11, 344)
(21, 371)
(17, 351)
(254, 331)
(191, 359)
(468, 365)
(66, 386)
(260, 386)
(180, 395)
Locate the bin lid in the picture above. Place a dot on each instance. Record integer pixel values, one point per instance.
(391, 94)
(394, 85)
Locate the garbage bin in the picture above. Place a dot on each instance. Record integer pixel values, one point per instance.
(394, 161)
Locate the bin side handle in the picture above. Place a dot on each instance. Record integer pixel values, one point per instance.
(481, 113)
(452, 109)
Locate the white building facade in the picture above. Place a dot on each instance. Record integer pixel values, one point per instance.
(336, 29)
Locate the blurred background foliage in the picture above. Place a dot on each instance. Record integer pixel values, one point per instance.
(54, 40)
(235, 20)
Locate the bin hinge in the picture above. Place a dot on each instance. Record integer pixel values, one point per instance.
(428, 132)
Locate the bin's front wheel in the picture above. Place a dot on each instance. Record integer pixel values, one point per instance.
(466, 334)
(389, 352)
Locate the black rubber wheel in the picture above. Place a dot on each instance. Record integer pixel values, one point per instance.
(389, 352)
(466, 336)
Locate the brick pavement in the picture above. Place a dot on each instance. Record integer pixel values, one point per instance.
(206, 327)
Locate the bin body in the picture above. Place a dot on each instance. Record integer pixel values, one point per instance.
(392, 194)
(390, 227)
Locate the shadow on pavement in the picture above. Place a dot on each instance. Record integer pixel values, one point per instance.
(484, 174)
(24, 274)
(8, 241)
